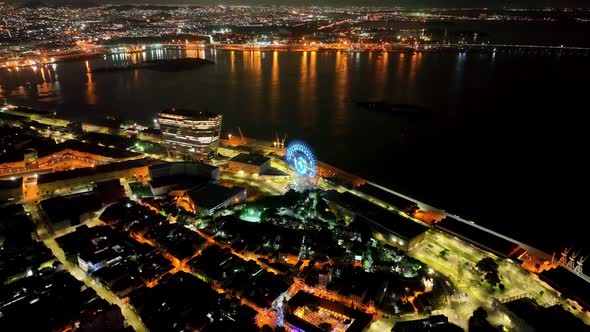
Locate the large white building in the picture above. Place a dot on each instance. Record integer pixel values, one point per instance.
(190, 135)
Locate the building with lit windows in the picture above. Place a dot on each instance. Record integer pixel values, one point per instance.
(190, 135)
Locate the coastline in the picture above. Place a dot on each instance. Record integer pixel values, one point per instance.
(466, 243)
(324, 170)
(490, 49)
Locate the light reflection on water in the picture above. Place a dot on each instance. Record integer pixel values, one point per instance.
(259, 75)
(275, 86)
(40, 83)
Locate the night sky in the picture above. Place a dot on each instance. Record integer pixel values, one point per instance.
(405, 3)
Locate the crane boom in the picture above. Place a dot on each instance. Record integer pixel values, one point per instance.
(242, 135)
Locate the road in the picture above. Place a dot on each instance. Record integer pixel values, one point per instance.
(131, 317)
(454, 265)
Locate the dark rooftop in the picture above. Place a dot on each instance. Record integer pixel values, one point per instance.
(110, 190)
(108, 185)
(89, 171)
(46, 148)
(181, 302)
(178, 181)
(12, 117)
(70, 207)
(176, 240)
(19, 251)
(211, 195)
(196, 114)
(181, 168)
(94, 149)
(11, 184)
(250, 158)
(481, 238)
(569, 284)
(541, 319)
(387, 197)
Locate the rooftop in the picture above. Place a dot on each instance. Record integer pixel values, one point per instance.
(11, 184)
(48, 148)
(553, 318)
(12, 117)
(181, 301)
(176, 240)
(89, 171)
(162, 168)
(480, 237)
(95, 149)
(177, 181)
(211, 195)
(195, 114)
(250, 159)
(387, 197)
(70, 207)
(569, 284)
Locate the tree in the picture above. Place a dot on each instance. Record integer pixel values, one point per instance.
(487, 264)
(492, 278)
(480, 313)
(479, 322)
(324, 211)
(266, 215)
(490, 267)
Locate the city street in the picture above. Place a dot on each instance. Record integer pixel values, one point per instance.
(131, 317)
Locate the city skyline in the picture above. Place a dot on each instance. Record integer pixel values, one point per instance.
(492, 4)
(288, 168)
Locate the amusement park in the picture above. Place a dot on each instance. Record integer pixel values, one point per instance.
(445, 268)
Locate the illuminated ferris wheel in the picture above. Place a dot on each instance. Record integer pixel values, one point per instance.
(299, 156)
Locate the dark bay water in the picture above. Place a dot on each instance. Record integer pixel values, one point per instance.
(502, 139)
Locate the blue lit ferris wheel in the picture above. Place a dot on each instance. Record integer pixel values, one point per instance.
(299, 155)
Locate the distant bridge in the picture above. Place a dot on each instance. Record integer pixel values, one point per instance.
(488, 48)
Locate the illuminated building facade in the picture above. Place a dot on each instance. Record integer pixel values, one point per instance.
(190, 135)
